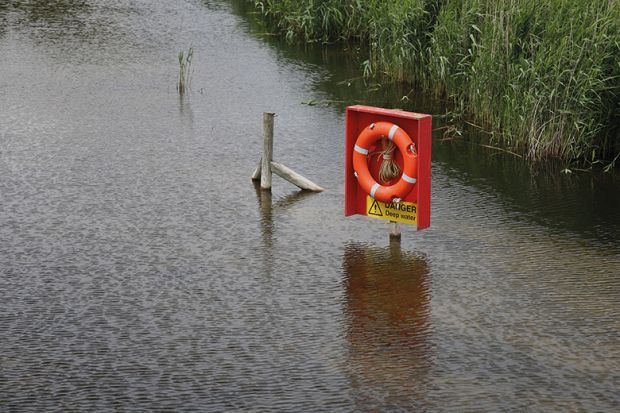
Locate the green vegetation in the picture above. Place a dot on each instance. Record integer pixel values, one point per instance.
(185, 63)
(544, 74)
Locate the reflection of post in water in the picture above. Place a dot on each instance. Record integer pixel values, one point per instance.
(387, 308)
(185, 109)
(267, 208)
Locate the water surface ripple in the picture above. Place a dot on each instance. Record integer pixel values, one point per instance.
(141, 270)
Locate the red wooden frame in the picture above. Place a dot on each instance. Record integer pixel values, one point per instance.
(418, 126)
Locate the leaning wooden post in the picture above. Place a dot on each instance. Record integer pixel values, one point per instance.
(293, 177)
(267, 166)
(265, 175)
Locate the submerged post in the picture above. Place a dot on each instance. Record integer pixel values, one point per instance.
(293, 177)
(267, 166)
(394, 230)
(265, 176)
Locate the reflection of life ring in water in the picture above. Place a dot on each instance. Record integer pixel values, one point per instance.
(371, 134)
(388, 327)
(387, 295)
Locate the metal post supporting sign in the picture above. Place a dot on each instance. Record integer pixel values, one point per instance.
(405, 199)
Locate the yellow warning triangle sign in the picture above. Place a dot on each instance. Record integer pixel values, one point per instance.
(375, 209)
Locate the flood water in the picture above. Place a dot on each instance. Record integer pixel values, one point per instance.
(141, 270)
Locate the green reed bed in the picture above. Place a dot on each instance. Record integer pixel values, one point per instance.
(544, 74)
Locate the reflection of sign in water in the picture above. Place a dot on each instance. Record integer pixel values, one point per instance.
(405, 212)
(388, 326)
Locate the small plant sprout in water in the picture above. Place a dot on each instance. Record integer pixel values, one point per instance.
(185, 63)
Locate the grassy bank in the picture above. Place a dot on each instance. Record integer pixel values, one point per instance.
(544, 74)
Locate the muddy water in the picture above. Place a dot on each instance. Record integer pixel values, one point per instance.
(140, 269)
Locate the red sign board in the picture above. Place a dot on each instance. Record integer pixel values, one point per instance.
(405, 198)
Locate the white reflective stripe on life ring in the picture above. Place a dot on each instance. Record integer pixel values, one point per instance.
(361, 150)
(409, 179)
(393, 130)
(374, 189)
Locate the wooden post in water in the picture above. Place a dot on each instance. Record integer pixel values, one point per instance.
(266, 165)
(265, 176)
(293, 177)
(394, 230)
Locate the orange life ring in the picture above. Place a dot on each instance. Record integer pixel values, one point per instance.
(371, 134)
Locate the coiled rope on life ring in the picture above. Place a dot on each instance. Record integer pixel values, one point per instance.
(371, 134)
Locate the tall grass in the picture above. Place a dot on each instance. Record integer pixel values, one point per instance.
(185, 64)
(544, 74)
